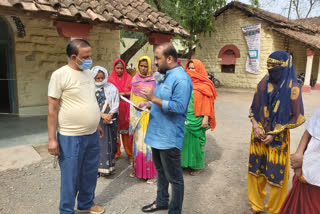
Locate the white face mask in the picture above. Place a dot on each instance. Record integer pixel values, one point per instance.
(158, 77)
(100, 84)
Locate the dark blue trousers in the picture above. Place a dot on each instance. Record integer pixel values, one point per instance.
(168, 166)
(78, 160)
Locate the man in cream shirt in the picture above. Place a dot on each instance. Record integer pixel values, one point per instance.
(72, 104)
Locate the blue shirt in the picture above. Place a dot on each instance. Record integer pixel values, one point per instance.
(166, 124)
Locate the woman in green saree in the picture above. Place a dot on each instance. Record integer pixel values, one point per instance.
(200, 117)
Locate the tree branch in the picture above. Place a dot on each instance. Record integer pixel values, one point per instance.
(130, 52)
(296, 5)
(310, 8)
(156, 2)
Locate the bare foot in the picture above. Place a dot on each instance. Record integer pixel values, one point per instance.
(132, 175)
(195, 172)
(130, 161)
(152, 181)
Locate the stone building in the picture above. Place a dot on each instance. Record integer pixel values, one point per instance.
(34, 34)
(225, 52)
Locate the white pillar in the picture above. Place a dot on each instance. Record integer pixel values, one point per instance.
(306, 86)
(317, 85)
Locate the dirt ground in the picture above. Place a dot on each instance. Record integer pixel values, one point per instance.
(221, 187)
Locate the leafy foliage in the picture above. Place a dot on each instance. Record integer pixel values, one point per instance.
(196, 16)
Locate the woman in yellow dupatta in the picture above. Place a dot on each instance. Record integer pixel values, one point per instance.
(143, 165)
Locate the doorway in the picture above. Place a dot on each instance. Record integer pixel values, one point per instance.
(7, 77)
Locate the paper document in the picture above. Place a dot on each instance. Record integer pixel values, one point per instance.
(131, 103)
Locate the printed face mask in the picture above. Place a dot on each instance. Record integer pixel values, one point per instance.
(86, 64)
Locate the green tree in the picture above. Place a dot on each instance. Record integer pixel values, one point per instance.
(196, 16)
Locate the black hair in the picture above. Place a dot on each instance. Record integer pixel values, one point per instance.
(74, 45)
(119, 62)
(143, 60)
(169, 50)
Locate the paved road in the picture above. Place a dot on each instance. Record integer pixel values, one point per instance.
(220, 188)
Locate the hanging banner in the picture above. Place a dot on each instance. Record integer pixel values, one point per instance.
(252, 35)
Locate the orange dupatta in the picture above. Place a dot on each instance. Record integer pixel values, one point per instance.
(204, 92)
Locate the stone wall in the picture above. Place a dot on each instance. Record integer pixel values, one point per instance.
(228, 31)
(42, 51)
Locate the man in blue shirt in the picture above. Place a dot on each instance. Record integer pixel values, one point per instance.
(168, 103)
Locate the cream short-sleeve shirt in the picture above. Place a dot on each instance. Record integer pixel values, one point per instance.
(79, 112)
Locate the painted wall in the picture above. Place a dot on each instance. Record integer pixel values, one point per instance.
(42, 51)
(228, 31)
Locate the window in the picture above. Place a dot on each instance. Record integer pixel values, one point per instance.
(227, 68)
(228, 55)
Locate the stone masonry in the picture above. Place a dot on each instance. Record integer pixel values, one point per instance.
(228, 31)
(42, 51)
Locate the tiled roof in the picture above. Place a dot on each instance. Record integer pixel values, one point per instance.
(312, 23)
(133, 15)
(309, 40)
(304, 30)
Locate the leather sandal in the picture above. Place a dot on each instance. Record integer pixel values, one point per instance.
(150, 208)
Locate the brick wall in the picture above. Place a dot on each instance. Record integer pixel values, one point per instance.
(42, 51)
(228, 31)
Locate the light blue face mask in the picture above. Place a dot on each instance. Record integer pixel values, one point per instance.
(86, 64)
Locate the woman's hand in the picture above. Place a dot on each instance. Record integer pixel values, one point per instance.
(267, 139)
(109, 116)
(296, 160)
(298, 172)
(205, 122)
(106, 118)
(258, 132)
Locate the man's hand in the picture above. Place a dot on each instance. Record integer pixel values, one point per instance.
(267, 139)
(296, 160)
(258, 132)
(143, 105)
(53, 147)
(148, 93)
(205, 122)
(100, 131)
